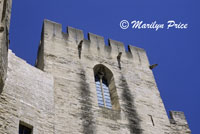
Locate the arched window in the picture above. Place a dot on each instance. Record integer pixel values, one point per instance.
(103, 93)
(105, 87)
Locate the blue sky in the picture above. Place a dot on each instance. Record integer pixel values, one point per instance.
(175, 50)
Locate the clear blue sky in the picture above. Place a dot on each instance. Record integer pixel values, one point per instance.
(176, 51)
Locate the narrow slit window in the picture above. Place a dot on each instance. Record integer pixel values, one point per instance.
(25, 129)
(152, 120)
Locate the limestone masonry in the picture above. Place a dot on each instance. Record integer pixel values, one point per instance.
(80, 86)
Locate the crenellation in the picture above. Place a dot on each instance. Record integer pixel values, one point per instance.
(179, 123)
(95, 43)
(85, 87)
(139, 55)
(86, 45)
(52, 29)
(178, 117)
(116, 46)
(128, 53)
(75, 34)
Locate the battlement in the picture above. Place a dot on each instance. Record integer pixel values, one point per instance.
(95, 44)
(179, 123)
(177, 117)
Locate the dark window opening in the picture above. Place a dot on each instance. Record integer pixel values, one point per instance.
(25, 129)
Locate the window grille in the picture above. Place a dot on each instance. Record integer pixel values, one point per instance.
(103, 93)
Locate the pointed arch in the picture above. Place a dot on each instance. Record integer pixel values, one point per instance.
(105, 87)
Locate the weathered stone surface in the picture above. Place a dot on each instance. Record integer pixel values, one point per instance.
(27, 96)
(59, 96)
(178, 122)
(141, 108)
(5, 12)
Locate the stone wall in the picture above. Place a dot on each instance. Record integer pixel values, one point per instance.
(70, 59)
(59, 96)
(179, 123)
(5, 12)
(28, 96)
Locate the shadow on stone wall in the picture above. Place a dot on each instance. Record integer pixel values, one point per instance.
(130, 110)
(86, 106)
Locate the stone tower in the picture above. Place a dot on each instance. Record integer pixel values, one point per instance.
(5, 12)
(82, 86)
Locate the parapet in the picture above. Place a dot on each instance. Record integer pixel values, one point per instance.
(94, 43)
(179, 123)
(177, 117)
